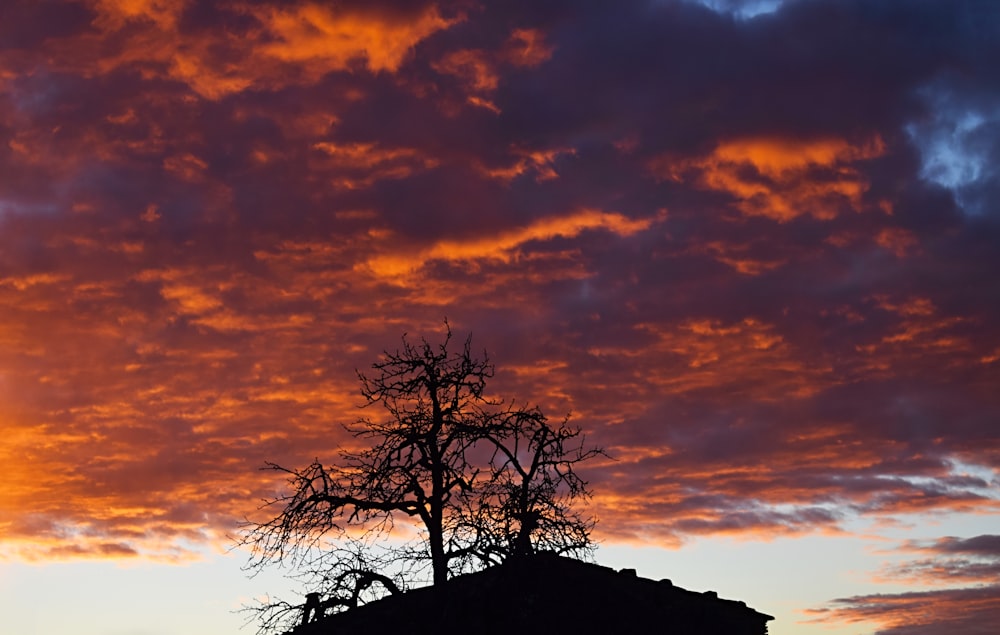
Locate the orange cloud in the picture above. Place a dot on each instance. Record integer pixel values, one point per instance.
(115, 14)
(333, 38)
(937, 612)
(919, 334)
(539, 162)
(778, 178)
(359, 165)
(186, 166)
(747, 356)
(479, 70)
(899, 242)
(737, 257)
(527, 47)
(472, 67)
(506, 245)
(112, 444)
(287, 45)
(188, 286)
(206, 77)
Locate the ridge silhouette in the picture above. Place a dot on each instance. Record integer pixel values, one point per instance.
(544, 594)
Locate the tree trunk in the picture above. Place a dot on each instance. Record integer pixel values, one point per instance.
(435, 531)
(438, 560)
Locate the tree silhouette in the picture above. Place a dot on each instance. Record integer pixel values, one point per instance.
(481, 479)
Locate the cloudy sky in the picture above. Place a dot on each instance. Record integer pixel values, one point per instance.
(752, 247)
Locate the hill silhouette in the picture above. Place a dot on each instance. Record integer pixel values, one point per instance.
(546, 594)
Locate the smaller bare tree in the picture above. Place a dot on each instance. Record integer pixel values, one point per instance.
(526, 500)
(345, 575)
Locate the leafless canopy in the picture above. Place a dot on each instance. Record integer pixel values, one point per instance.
(483, 480)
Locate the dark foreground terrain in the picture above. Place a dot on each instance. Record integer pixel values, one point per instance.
(547, 595)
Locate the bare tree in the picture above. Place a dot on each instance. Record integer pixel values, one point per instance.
(482, 480)
(344, 574)
(526, 504)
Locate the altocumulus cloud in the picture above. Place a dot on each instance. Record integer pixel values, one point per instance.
(750, 246)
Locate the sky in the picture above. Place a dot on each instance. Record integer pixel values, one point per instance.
(751, 247)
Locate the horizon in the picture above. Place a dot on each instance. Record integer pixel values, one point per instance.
(750, 247)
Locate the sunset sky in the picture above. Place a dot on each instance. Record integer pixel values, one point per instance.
(753, 247)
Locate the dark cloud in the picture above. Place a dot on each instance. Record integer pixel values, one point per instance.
(754, 256)
(969, 610)
(972, 609)
(975, 559)
(985, 545)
